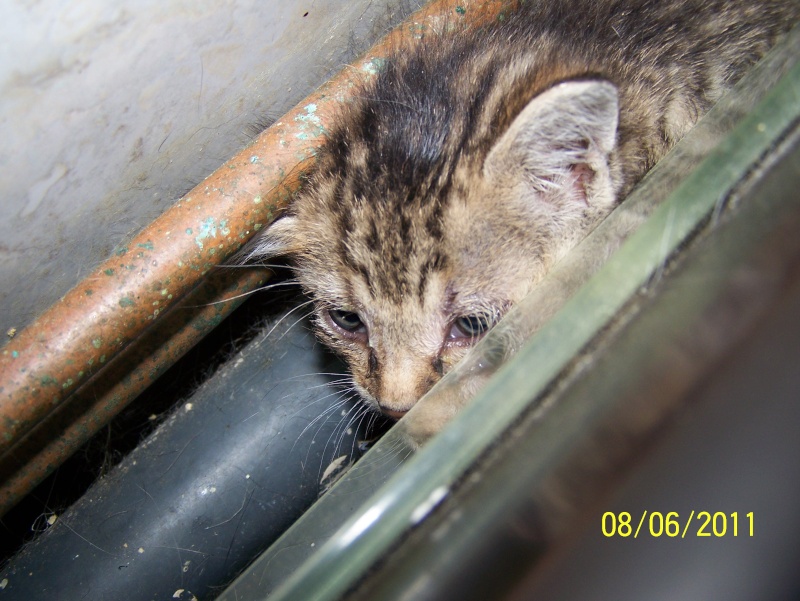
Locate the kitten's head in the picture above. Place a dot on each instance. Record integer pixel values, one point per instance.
(426, 219)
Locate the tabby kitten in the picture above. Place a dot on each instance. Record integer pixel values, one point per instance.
(475, 160)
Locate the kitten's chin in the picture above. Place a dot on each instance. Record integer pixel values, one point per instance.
(395, 415)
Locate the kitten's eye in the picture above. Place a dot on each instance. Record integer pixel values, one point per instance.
(347, 320)
(471, 326)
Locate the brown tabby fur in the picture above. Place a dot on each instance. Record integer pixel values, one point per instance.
(476, 159)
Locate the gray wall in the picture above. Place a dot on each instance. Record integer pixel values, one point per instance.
(109, 111)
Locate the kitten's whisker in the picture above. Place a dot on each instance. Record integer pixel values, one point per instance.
(339, 404)
(365, 414)
(243, 294)
(318, 418)
(294, 324)
(287, 314)
(317, 373)
(333, 383)
(306, 406)
(334, 436)
(257, 264)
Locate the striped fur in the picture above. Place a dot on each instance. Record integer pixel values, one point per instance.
(476, 159)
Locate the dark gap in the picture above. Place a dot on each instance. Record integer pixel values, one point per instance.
(137, 421)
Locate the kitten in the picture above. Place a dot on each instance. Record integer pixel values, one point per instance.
(475, 160)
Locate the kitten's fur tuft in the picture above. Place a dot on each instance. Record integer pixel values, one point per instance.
(475, 160)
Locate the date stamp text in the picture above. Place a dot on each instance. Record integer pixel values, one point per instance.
(672, 524)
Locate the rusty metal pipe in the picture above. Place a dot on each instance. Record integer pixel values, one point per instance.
(49, 363)
(123, 377)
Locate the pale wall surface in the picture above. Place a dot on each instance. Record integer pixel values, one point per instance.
(109, 111)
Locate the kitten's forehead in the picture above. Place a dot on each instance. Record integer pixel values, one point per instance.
(392, 245)
(394, 257)
(390, 227)
(359, 252)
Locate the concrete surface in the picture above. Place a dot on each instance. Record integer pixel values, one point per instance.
(111, 111)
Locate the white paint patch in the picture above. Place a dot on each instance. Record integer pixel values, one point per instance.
(39, 190)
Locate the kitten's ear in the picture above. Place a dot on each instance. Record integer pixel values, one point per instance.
(278, 239)
(563, 137)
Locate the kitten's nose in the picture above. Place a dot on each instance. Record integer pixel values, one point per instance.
(403, 378)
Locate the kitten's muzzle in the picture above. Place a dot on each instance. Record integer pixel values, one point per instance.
(392, 413)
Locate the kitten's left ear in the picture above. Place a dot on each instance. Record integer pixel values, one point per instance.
(277, 240)
(563, 137)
